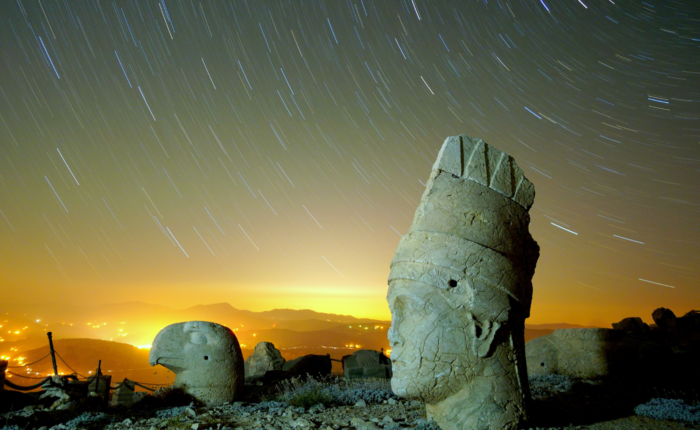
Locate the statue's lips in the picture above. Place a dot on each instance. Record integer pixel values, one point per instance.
(396, 359)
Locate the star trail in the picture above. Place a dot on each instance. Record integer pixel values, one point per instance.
(271, 153)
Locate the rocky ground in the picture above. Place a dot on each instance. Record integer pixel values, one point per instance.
(558, 403)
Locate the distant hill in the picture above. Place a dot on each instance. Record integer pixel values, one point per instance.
(137, 323)
(81, 355)
(295, 332)
(339, 337)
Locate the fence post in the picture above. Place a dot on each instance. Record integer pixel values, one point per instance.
(97, 377)
(3, 367)
(53, 354)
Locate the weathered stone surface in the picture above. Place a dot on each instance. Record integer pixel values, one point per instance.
(594, 353)
(580, 353)
(265, 357)
(205, 357)
(367, 363)
(460, 289)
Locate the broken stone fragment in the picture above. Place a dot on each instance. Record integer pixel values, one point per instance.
(265, 357)
(594, 353)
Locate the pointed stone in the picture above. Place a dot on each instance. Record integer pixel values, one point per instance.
(502, 175)
(524, 193)
(450, 157)
(475, 159)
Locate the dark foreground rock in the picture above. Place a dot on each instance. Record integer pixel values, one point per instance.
(558, 403)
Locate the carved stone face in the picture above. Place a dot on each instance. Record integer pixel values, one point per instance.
(205, 357)
(460, 288)
(435, 349)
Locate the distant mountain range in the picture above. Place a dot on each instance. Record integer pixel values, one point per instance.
(137, 323)
(84, 335)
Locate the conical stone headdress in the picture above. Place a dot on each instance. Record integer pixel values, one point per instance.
(471, 226)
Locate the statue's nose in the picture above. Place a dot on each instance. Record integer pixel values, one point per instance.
(395, 339)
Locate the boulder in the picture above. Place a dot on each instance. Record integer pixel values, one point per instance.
(632, 325)
(665, 319)
(265, 357)
(594, 353)
(312, 365)
(690, 322)
(205, 357)
(367, 363)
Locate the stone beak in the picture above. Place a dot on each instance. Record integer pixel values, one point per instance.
(168, 347)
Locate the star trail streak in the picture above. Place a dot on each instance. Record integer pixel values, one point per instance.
(266, 133)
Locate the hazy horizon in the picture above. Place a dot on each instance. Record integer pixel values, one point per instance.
(604, 322)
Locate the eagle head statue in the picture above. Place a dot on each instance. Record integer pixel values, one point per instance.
(205, 357)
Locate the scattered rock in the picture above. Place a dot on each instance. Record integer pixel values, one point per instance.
(361, 424)
(632, 325)
(265, 357)
(665, 319)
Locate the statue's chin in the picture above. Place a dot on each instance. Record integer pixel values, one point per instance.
(404, 386)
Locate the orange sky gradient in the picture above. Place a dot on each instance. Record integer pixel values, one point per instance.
(269, 161)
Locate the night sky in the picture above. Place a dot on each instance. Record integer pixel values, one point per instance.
(271, 153)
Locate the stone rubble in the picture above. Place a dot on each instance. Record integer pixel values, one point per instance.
(390, 414)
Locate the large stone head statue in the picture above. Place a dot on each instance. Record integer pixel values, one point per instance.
(460, 289)
(205, 358)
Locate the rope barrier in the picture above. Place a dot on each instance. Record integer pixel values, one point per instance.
(145, 387)
(116, 387)
(140, 384)
(73, 376)
(26, 377)
(26, 388)
(64, 362)
(28, 364)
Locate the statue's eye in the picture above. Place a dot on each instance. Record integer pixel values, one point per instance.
(452, 283)
(206, 357)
